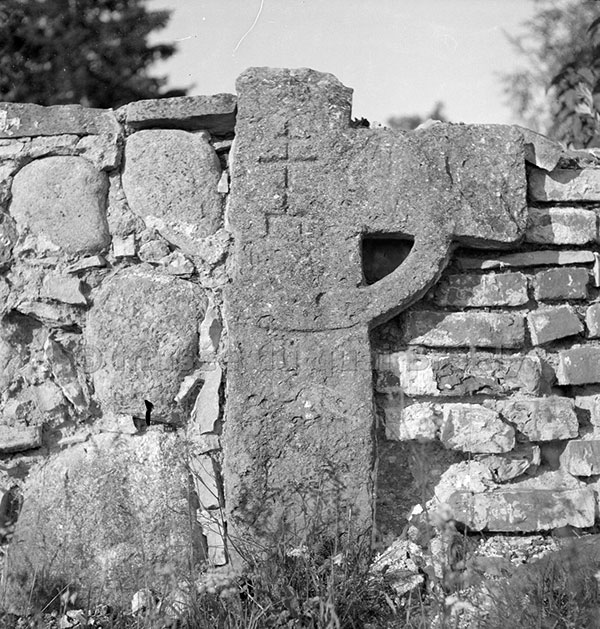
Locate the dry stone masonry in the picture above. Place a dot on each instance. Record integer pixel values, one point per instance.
(230, 318)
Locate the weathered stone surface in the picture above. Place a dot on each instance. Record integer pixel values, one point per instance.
(564, 185)
(62, 199)
(8, 237)
(18, 120)
(204, 476)
(588, 400)
(524, 510)
(581, 457)
(528, 258)
(415, 422)
(92, 262)
(64, 372)
(305, 189)
(592, 320)
(102, 515)
(147, 346)
(476, 291)
(19, 438)
(206, 409)
(510, 465)
(463, 329)
(561, 226)
(170, 180)
(214, 113)
(104, 151)
(411, 374)
(542, 419)
(177, 264)
(123, 247)
(154, 251)
(540, 150)
(565, 283)
(474, 428)
(63, 288)
(580, 365)
(549, 324)
(468, 476)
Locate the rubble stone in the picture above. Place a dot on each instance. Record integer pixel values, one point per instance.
(63, 199)
(580, 365)
(561, 226)
(565, 184)
(581, 457)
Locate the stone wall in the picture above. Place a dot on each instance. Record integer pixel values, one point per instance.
(487, 388)
(176, 359)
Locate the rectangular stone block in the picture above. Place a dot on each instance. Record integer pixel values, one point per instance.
(561, 226)
(476, 291)
(484, 373)
(580, 365)
(475, 428)
(588, 400)
(565, 283)
(549, 324)
(564, 184)
(524, 510)
(19, 120)
(417, 422)
(528, 258)
(542, 419)
(592, 320)
(19, 438)
(214, 113)
(463, 329)
(581, 457)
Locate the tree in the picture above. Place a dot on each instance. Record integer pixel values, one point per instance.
(408, 123)
(92, 52)
(556, 91)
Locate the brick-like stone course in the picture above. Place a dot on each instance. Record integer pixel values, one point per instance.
(477, 291)
(564, 184)
(464, 329)
(592, 320)
(549, 324)
(580, 365)
(542, 419)
(474, 428)
(561, 226)
(527, 258)
(564, 283)
(414, 374)
(581, 457)
(525, 510)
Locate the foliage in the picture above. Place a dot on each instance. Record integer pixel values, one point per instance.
(408, 123)
(92, 52)
(556, 91)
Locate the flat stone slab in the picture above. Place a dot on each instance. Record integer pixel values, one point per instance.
(580, 365)
(215, 114)
(410, 373)
(19, 438)
(549, 324)
(564, 184)
(477, 291)
(542, 419)
(530, 258)
(21, 120)
(463, 329)
(562, 226)
(525, 510)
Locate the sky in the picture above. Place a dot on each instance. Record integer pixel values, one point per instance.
(399, 56)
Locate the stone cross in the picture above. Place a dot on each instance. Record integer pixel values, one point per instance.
(306, 189)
